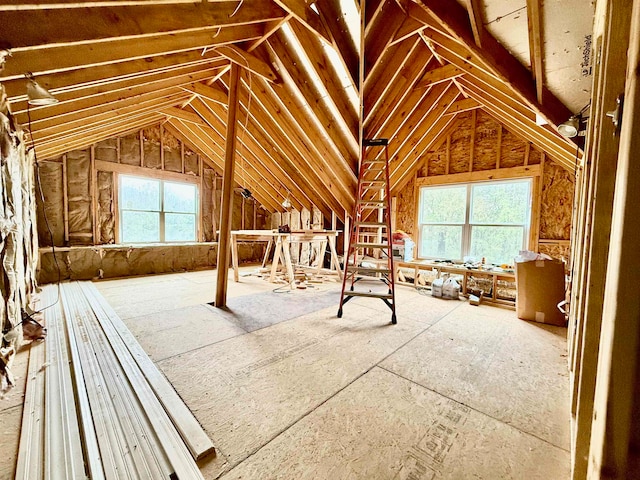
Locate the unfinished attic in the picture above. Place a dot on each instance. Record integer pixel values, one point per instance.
(334, 239)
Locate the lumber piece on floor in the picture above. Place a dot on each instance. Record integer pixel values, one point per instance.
(118, 445)
(174, 447)
(190, 430)
(63, 452)
(137, 448)
(30, 463)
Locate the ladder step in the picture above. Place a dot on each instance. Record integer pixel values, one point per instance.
(368, 294)
(376, 142)
(382, 203)
(371, 224)
(374, 162)
(373, 183)
(368, 271)
(372, 245)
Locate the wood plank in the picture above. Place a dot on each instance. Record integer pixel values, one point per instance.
(534, 24)
(475, 18)
(268, 168)
(453, 17)
(483, 175)
(51, 26)
(249, 61)
(194, 436)
(341, 40)
(182, 115)
(327, 74)
(464, 105)
(62, 58)
(209, 92)
(227, 190)
(438, 75)
(305, 15)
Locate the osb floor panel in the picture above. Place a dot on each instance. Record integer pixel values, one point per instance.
(450, 392)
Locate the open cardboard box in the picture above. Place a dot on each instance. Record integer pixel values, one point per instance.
(540, 287)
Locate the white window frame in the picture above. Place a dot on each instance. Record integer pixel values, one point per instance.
(467, 226)
(161, 212)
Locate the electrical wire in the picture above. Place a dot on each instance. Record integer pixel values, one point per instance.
(44, 212)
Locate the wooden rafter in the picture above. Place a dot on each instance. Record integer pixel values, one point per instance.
(58, 58)
(305, 15)
(453, 18)
(534, 22)
(47, 26)
(475, 18)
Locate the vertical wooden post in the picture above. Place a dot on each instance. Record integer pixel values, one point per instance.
(616, 424)
(474, 117)
(227, 190)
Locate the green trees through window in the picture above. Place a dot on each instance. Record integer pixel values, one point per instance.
(488, 219)
(157, 210)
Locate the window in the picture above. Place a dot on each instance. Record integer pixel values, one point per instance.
(488, 219)
(157, 210)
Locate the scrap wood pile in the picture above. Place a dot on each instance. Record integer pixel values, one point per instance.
(95, 404)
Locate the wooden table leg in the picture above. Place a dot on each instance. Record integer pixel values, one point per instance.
(286, 253)
(266, 253)
(234, 257)
(276, 259)
(334, 255)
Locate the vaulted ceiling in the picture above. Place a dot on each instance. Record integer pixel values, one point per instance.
(119, 65)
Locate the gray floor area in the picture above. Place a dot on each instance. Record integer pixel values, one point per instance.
(286, 390)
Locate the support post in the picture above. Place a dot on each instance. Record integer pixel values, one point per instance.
(227, 190)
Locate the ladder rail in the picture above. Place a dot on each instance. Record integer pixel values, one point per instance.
(373, 194)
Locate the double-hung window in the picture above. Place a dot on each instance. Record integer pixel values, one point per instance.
(152, 210)
(484, 219)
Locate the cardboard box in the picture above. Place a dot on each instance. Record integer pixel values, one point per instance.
(540, 287)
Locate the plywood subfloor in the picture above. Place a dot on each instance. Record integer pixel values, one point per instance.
(453, 391)
(286, 390)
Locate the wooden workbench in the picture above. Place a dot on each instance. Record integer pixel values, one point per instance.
(282, 252)
(489, 297)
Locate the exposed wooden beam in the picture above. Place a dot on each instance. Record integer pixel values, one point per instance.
(475, 18)
(460, 106)
(58, 58)
(534, 22)
(89, 24)
(343, 43)
(306, 15)
(111, 73)
(410, 26)
(496, 174)
(453, 17)
(327, 74)
(209, 144)
(76, 99)
(296, 81)
(437, 75)
(208, 92)
(99, 118)
(224, 241)
(183, 115)
(258, 163)
(249, 61)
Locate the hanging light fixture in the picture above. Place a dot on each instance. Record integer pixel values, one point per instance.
(36, 94)
(569, 128)
(286, 203)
